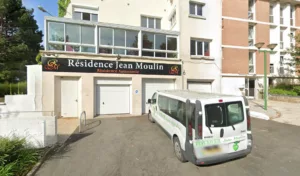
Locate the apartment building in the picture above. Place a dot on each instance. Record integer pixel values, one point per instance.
(246, 22)
(108, 57)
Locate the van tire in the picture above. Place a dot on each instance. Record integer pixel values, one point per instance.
(150, 117)
(178, 150)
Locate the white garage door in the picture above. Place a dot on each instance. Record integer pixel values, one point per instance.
(199, 86)
(152, 85)
(112, 99)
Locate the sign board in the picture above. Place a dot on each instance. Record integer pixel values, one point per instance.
(106, 66)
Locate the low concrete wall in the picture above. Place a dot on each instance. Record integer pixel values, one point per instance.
(38, 130)
(285, 98)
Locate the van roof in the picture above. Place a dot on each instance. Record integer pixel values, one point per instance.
(193, 95)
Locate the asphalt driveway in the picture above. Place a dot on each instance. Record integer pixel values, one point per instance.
(135, 147)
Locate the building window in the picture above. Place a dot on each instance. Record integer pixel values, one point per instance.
(150, 22)
(281, 68)
(85, 16)
(118, 41)
(196, 9)
(173, 19)
(271, 13)
(281, 39)
(200, 48)
(292, 15)
(159, 45)
(281, 15)
(71, 37)
(251, 63)
(271, 68)
(251, 35)
(251, 9)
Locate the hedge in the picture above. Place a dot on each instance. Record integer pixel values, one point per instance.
(282, 92)
(12, 89)
(16, 158)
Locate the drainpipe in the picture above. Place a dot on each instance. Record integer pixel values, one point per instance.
(182, 74)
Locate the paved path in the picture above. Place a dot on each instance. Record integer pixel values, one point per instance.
(135, 147)
(289, 112)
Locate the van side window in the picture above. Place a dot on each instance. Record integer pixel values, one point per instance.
(235, 113)
(154, 97)
(163, 103)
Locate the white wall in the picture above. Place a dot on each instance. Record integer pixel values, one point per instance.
(39, 131)
(233, 85)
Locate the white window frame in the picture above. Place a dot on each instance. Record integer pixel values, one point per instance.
(113, 47)
(155, 18)
(196, 8)
(281, 65)
(271, 66)
(65, 44)
(158, 50)
(253, 64)
(173, 18)
(203, 48)
(91, 14)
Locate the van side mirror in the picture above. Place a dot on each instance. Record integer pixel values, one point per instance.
(149, 101)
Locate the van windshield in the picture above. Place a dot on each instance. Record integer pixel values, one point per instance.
(224, 114)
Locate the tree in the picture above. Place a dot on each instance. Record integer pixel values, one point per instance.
(62, 7)
(20, 40)
(295, 54)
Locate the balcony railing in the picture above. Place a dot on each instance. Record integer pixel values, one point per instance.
(281, 20)
(102, 38)
(271, 19)
(250, 15)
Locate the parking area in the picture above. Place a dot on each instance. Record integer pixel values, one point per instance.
(135, 147)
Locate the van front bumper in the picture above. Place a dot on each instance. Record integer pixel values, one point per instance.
(224, 157)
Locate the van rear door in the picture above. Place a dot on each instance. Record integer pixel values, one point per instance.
(225, 124)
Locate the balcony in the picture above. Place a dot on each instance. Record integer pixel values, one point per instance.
(73, 36)
(271, 19)
(250, 15)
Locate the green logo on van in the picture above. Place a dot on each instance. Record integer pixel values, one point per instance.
(236, 145)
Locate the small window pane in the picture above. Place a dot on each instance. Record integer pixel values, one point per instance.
(151, 22)
(172, 55)
(119, 37)
(106, 36)
(148, 40)
(132, 39)
(105, 50)
(88, 49)
(193, 49)
(200, 48)
(56, 47)
(119, 51)
(215, 115)
(72, 33)
(251, 69)
(199, 9)
(71, 48)
(148, 53)
(95, 17)
(77, 15)
(56, 32)
(87, 35)
(143, 21)
(86, 16)
(158, 23)
(132, 52)
(160, 41)
(192, 8)
(251, 58)
(172, 43)
(206, 49)
(159, 54)
(235, 113)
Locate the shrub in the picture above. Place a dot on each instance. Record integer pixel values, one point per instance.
(282, 92)
(6, 90)
(297, 90)
(284, 86)
(16, 158)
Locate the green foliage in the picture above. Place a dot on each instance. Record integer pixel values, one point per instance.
(20, 40)
(38, 58)
(12, 89)
(295, 53)
(62, 7)
(282, 92)
(297, 90)
(16, 157)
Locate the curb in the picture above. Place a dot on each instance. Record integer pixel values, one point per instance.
(37, 166)
(278, 113)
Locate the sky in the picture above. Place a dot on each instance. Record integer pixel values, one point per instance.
(49, 5)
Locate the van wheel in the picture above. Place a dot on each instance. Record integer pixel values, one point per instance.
(150, 117)
(178, 151)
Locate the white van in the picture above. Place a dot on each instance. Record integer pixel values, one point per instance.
(204, 128)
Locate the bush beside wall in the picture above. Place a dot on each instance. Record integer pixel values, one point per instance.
(285, 89)
(5, 88)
